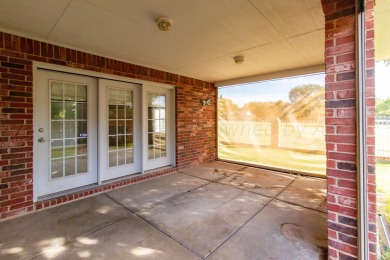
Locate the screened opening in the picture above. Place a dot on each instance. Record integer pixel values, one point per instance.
(276, 124)
(382, 121)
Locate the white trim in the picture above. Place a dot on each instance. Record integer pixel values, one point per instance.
(361, 134)
(101, 75)
(274, 75)
(172, 132)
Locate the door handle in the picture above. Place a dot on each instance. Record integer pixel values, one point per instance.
(42, 140)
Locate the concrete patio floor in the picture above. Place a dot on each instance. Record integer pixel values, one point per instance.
(213, 211)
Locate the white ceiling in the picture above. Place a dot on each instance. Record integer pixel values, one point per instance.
(272, 35)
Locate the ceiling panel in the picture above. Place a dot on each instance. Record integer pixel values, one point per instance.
(277, 56)
(31, 18)
(307, 46)
(216, 28)
(292, 18)
(92, 28)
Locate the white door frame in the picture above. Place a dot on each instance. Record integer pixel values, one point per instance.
(106, 172)
(62, 69)
(43, 184)
(169, 160)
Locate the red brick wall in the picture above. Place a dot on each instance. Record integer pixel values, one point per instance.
(195, 125)
(340, 87)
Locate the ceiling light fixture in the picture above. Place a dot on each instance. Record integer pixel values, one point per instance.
(239, 59)
(164, 23)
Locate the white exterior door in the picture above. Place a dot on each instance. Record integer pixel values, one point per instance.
(157, 131)
(88, 130)
(119, 129)
(65, 132)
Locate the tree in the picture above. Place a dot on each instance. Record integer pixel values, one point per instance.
(307, 102)
(383, 108)
(226, 107)
(267, 110)
(304, 91)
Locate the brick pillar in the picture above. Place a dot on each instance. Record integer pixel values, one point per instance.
(340, 87)
(370, 92)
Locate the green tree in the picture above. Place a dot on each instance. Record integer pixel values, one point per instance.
(305, 91)
(267, 110)
(307, 102)
(383, 108)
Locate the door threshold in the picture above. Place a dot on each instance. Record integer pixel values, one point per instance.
(131, 178)
(66, 192)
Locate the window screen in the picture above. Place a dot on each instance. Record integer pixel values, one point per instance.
(276, 124)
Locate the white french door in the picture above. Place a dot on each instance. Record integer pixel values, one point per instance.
(119, 129)
(65, 132)
(88, 130)
(157, 127)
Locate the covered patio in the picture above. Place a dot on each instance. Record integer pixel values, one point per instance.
(98, 99)
(212, 211)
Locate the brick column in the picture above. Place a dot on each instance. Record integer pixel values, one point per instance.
(340, 87)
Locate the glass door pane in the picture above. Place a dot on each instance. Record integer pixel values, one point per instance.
(68, 128)
(156, 125)
(120, 126)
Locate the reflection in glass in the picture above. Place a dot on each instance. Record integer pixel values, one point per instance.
(69, 92)
(82, 111)
(112, 159)
(70, 147)
(82, 164)
(112, 127)
(70, 110)
(121, 127)
(121, 111)
(57, 111)
(56, 168)
(81, 93)
(68, 114)
(121, 96)
(156, 125)
(129, 141)
(56, 91)
(120, 139)
(121, 157)
(129, 99)
(57, 149)
(112, 112)
(129, 126)
(70, 163)
(112, 143)
(70, 129)
(82, 129)
(56, 129)
(82, 146)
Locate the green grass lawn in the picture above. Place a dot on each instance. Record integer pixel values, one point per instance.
(303, 162)
(383, 187)
(290, 160)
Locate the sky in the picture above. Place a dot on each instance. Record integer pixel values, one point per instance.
(278, 89)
